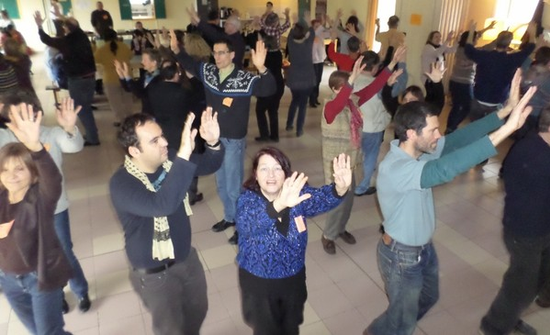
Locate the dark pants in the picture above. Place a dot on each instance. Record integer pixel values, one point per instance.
(78, 283)
(527, 275)
(299, 102)
(271, 105)
(462, 98)
(314, 96)
(478, 110)
(273, 306)
(81, 91)
(435, 94)
(175, 297)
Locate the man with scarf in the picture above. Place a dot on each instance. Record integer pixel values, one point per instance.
(341, 126)
(149, 194)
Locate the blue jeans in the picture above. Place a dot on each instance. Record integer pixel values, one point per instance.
(462, 98)
(82, 92)
(78, 282)
(39, 311)
(411, 280)
(229, 178)
(299, 101)
(370, 144)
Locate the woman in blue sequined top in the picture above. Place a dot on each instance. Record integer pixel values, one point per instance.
(272, 231)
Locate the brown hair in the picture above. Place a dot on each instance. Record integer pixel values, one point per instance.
(18, 151)
(252, 183)
(337, 79)
(196, 47)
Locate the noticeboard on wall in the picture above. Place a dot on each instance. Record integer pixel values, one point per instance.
(130, 11)
(12, 7)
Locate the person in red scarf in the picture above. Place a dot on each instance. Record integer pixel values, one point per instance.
(341, 128)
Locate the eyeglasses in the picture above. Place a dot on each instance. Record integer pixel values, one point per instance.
(220, 53)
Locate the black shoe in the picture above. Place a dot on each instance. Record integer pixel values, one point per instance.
(234, 240)
(261, 139)
(198, 197)
(369, 191)
(312, 105)
(524, 328)
(289, 128)
(222, 225)
(65, 307)
(91, 144)
(116, 124)
(84, 303)
(317, 103)
(274, 139)
(299, 133)
(94, 108)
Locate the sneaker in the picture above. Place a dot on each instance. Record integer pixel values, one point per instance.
(328, 245)
(524, 328)
(369, 191)
(234, 240)
(222, 225)
(348, 238)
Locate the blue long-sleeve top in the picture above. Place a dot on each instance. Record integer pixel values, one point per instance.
(263, 250)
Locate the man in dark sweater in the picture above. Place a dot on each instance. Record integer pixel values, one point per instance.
(228, 91)
(101, 20)
(526, 175)
(79, 66)
(149, 195)
(495, 69)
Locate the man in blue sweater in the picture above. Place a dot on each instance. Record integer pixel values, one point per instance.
(526, 175)
(495, 69)
(419, 160)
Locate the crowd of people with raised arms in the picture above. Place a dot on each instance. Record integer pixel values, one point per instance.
(196, 90)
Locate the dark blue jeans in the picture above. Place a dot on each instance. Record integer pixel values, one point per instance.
(81, 91)
(462, 98)
(39, 311)
(411, 281)
(527, 275)
(299, 102)
(78, 282)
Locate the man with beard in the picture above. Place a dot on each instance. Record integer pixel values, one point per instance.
(417, 161)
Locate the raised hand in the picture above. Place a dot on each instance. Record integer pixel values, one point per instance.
(193, 15)
(122, 69)
(289, 196)
(258, 56)
(67, 115)
(356, 71)
(514, 96)
(521, 111)
(399, 55)
(187, 138)
(342, 173)
(437, 72)
(377, 22)
(393, 78)
(38, 19)
(25, 125)
(210, 128)
(174, 45)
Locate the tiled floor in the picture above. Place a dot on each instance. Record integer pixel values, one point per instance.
(345, 290)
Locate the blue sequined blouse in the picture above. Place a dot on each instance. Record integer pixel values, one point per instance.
(263, 250)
